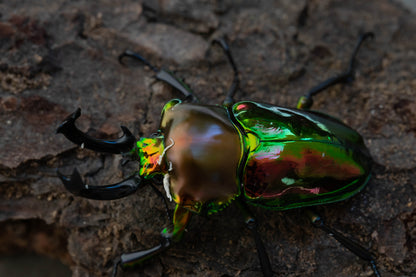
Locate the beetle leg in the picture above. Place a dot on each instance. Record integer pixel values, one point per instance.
(228, 101)
(171, 234)
(163, 75)
(164, 200)
(76, 186)
(305, 102)
(354, 247)
(251, 224)
(122, 145)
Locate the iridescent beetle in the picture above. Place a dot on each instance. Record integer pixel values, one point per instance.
(244, 152)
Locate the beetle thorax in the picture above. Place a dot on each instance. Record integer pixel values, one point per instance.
(201, 156)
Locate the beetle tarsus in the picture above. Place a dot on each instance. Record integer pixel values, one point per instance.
(175, 82)
(121, 145)
(115, 268)
(134, 258)
(136, 56)
(306, 101)
(261, 250)
(362, 38)
(163, 75)
(375, 269)
(76, 186)
(351, 245)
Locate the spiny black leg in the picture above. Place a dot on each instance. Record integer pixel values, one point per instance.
(251, 224)
(131, 259)
(163, 75)
(136, 56)
(122, 145)
(169, 235)
(164, 200)
(354, 247)
(115, 268)
(305, 102)
(236, 81)
(75, 185)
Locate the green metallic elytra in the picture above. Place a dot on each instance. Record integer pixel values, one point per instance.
(301, 158)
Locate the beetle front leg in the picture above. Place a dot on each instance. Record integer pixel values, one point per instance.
(169, 235)
(354, 247)
(163, 75)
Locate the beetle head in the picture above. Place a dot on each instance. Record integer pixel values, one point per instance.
(149, 152)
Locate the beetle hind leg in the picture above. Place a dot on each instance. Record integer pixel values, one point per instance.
(305, 102)
(354, 247)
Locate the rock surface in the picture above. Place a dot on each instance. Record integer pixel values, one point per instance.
(60, 55)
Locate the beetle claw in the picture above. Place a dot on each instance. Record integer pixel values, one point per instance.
(121, 145)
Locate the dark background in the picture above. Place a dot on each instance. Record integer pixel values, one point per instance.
(60, 55)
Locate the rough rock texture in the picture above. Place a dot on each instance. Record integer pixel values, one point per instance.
(60, 55)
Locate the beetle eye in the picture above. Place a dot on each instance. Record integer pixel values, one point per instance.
(155, 135)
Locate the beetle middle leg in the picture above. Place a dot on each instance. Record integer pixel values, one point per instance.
(251, 224)
(229, 100)
(305, 102)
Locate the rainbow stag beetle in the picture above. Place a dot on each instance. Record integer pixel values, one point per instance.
(244, 152)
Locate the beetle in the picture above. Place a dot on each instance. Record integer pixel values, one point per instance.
(247, 153)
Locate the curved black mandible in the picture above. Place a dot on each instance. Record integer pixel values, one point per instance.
(121, 145)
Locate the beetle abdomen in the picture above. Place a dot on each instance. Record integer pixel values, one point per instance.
(298, 158)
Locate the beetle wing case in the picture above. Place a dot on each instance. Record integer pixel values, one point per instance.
(298, 158)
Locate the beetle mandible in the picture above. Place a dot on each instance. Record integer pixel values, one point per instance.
(245, 152)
